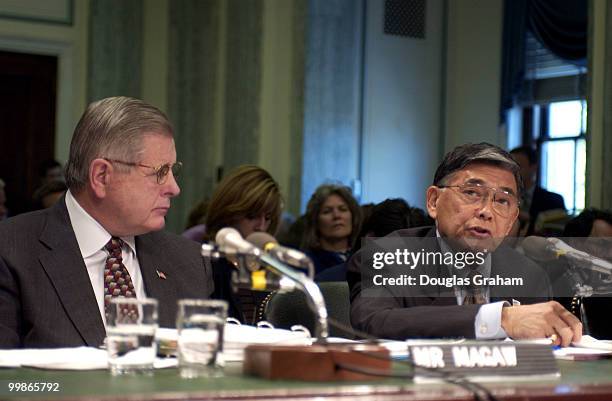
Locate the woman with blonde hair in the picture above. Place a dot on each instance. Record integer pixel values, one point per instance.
(249, 200)
(333, 219)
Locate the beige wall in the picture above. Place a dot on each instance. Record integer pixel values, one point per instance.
(596, 105)
(278, 95)
(473, 72)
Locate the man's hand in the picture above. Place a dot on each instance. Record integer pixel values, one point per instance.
(540, 321)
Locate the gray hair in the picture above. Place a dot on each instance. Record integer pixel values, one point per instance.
(483, 152)
(2, 184)
(113, 127)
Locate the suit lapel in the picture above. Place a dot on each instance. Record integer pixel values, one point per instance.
(66, 270)
(157, 276)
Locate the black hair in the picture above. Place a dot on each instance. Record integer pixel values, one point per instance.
(483, 152)
(581, 225)
(528, 151)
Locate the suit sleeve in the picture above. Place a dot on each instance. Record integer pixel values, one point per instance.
(390, 315)
(9, 308)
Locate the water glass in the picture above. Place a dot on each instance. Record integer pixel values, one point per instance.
(130, 335)
(200, 326)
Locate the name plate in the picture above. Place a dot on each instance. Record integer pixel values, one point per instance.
(485, 359)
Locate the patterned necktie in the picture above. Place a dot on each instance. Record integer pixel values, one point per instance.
(117, 280)
(475, 293)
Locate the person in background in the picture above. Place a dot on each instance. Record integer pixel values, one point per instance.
(196, 228)
(61, 266)
(3, 209)
(333, 220)
(49, 171)
(387, 216)
(535, 199)
(48, 194)
(249, 200)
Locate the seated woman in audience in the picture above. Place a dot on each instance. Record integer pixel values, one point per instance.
(384, 218)
(332, 223)
(249, 200)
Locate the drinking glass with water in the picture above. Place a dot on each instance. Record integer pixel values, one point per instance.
(200, 326)
(130, 335)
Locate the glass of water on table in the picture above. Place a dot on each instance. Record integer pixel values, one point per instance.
(200, 326)
(130, 335)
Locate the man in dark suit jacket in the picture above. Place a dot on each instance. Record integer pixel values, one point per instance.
(474, 201)
(535, 198)
(121, 176)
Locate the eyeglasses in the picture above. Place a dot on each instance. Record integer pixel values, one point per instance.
(161, 172)
(504, 203)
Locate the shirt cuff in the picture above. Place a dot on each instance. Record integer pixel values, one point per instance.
(488, 321)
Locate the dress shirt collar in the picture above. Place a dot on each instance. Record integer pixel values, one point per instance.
(90, 234)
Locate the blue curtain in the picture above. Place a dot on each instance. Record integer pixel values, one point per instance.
(560, 25)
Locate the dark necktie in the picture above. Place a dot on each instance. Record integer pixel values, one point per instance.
(117, 280)
(475, 293)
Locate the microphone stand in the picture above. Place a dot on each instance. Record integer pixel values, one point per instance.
(314, 297)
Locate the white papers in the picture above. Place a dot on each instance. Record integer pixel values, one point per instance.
(237, 337)
(593, 343)
(81, 358)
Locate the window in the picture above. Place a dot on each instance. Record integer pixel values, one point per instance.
(563, 151)
(551, 114)
(558, 129)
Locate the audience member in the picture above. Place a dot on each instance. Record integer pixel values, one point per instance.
(333, 220)
(48, 194)
(49, 171)
(294, 235)
(196, 229)
(3, 209)
(535, 199)
(59, 267)
(474, 202)
(388, 216)
(249, 200)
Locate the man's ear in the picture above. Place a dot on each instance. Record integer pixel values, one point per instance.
(432, 196)
(100, 173)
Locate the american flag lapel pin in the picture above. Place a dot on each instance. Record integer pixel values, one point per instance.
(161, 274)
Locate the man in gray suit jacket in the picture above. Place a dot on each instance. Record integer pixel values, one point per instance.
(474, 201)
(121, 175)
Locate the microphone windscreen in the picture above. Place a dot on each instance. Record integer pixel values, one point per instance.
(260, 239)
(538, 248)
(226, 236)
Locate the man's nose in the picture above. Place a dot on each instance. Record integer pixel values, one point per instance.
(172, 187)
(485, 208)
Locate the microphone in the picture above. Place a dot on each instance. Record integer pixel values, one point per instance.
(546, 249)
(236, 250)
(230, 240)
(234, 247)
(286, 255)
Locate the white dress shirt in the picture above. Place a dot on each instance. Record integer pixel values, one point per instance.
(92, 238)
(487, 324)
